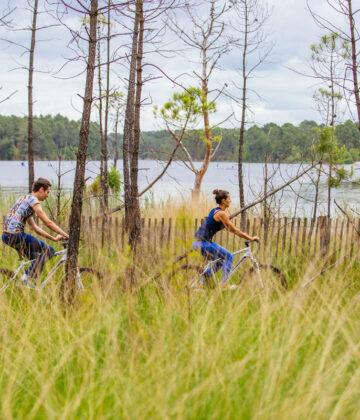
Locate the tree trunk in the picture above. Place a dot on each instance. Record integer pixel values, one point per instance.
(101, 131)
(104, 148)
(58, 193)
(116, 145)
(316, 199)
(134, 226)
(128, 136)
(68, 285)
(329, 183)
(354, 66)
(243, 118)
(199, 175)
(30, 99)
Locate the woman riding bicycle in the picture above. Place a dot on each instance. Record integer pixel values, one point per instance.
(217, 220)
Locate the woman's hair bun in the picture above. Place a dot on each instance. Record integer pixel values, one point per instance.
(220, 195)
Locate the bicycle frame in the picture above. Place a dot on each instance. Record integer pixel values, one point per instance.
(29, 284)
(247, 253)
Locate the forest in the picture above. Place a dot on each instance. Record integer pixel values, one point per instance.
(58, 136)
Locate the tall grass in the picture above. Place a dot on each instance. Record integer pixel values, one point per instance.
(152, 353)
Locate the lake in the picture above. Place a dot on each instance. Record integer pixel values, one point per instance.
(296, 200)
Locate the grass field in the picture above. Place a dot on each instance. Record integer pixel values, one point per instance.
(243, 354)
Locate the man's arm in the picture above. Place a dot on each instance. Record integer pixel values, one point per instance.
(49, 223)
(41, 232)
(221, 216)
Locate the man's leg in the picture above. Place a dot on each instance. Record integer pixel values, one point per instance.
(33, 249)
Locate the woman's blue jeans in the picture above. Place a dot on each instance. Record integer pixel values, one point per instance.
(212, 251)
(31, 248)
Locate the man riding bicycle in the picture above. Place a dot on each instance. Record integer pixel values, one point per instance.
(27, 245)
(217, 220)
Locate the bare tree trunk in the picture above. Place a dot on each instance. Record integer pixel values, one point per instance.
(104, 148)
(329, 184)
(243, 112)
(67, 291)
(199, 175)
(134, 226)
(101, 129)
(58, 193)
(30, 99)
(354, 66)
(316, 199)
(332, 124)
(128, 136)
(241, 149)
(116, 145)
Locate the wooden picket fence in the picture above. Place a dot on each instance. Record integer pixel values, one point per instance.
(280, 237)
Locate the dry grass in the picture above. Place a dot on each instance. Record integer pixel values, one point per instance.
(152, 354)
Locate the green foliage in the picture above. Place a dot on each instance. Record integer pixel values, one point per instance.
(114, 182)
(325, 143)
(114, 179)
(287, 143)
(340, 175)
(327, 149)
(185, 108)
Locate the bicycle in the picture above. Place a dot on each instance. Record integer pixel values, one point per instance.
(7, 276)
(191, 276)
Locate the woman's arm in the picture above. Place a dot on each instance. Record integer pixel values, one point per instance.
(50, 224)
(41, 232)
(221, 216)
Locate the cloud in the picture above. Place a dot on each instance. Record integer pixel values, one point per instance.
(285, 95)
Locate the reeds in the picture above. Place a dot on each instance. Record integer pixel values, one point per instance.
(149, 353)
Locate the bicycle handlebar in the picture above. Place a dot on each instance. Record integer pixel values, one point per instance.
(247, 243)
(65, 242)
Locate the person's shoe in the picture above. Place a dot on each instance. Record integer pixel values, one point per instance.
(228, 286)
(24, 281)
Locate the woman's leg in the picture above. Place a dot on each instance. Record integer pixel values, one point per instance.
(214, 251)
(199, 245)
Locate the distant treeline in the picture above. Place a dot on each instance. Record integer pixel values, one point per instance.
(286, 143)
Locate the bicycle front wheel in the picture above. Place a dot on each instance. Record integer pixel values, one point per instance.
(267, 275)
(88, 278)
(186, 276)
(5, 277)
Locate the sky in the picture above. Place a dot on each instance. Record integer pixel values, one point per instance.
(283, 95)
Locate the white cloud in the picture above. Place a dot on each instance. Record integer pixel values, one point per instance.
(286, 95)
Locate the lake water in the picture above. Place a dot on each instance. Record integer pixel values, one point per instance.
(296, 200)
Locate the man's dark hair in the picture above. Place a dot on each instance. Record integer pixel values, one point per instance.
(41, 183)
(220, 195)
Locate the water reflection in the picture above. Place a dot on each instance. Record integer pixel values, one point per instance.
(296, 200)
